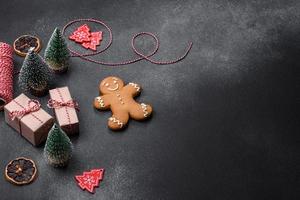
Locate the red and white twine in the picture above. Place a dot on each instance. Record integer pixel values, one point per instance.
(32, 106)
(52, 103)
(6, 74)
(140, 57)
(62, 102)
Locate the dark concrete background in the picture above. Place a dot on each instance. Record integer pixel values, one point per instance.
(225, 124)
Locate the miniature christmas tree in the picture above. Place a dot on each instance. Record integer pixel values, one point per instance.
(58, 147)
(57, 54)
(34, 75)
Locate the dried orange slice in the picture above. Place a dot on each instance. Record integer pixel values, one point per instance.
(23, 43)
(20, 171)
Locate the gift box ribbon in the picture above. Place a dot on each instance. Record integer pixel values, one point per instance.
(59, 104)
(33, 106)
(62, 103)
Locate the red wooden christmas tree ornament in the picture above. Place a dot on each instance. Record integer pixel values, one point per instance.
(84, 27)
(87, 39)
(89, 180)
(95, 38)
(82, 34)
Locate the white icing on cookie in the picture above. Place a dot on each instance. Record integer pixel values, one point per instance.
(100, 101)
(144, 107)
(114, 88)
(115, 120)
(135, 86)
(120, 99)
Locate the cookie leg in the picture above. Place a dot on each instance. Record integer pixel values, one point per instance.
(140, 111)
(118, 120)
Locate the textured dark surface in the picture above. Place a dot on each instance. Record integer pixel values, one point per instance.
(225, 123)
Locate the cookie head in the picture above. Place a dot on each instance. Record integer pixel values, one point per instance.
(111, 85)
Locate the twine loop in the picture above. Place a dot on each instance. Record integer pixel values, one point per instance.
(140, 56)
(33, 106)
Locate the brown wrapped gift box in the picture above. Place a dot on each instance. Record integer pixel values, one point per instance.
(65, 109)
(34, 126)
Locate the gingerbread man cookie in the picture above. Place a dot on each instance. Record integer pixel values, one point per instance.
(120, 100)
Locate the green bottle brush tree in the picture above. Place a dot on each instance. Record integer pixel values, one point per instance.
(57, 54)
(58, 147)
(34, 75)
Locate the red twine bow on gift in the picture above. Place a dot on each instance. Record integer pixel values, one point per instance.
(59, 104)
(33, 106)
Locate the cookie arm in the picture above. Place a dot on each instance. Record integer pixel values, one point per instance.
(140, 111)
(102, 102)
(133, 89)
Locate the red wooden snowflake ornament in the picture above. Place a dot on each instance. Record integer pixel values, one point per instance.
(89, 180)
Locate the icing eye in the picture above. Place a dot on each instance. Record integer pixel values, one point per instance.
(106, 84)
(115, 81)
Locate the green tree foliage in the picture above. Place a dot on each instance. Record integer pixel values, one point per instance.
(58, 147)
(34, 73)
(57, 54)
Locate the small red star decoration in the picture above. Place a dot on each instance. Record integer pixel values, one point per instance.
(89, 180)
(88, 40)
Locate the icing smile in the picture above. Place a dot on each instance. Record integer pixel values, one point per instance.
(113, 83)
(113, 89)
